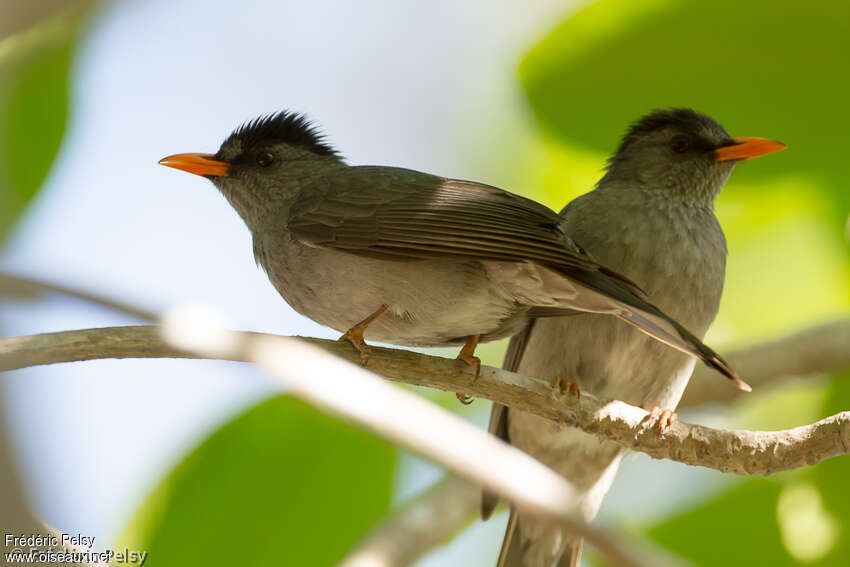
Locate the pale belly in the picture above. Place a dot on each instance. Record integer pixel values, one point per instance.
(681, 269)
(430, 303)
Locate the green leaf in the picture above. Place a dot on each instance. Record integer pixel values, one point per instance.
(34, 101)
(741, 62)
(737, 528)
(281, 484)
(784, 215)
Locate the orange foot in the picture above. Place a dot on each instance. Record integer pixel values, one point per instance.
(465, 399)
(467, 354)
(561, 387)
(663, 419)
(354, 335)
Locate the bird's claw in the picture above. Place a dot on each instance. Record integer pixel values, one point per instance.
(475, 363)
(561, 388)
(467, 356)
(662, 419)
(355, 337)
(465, 399)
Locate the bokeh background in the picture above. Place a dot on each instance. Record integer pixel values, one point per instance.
(193, 460)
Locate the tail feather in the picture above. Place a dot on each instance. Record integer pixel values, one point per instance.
(661, 327)
(572, 554)
(511, 553)
(633, 309)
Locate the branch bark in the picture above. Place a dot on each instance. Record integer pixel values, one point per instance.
(20, 286)
(431, 519)
(346, 390)
(734, 451)
(812, 351)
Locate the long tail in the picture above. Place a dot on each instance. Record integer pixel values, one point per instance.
(614, 297)
(665, 329)
(511, 554)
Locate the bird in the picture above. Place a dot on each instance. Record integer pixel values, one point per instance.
(650, 218)
(410, 258)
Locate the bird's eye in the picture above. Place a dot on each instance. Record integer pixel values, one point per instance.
(264, 159)
(680, 144)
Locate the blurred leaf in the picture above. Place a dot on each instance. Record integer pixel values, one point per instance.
(784, 215)
(740, 62)
(34, 100)
(738, 528)
(281, 484)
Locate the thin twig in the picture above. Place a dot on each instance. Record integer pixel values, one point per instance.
(28, 287)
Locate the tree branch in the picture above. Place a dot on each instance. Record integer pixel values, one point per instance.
(347, 390)
(740, 452)
(813, 351)
(19, 286)
(431, 519)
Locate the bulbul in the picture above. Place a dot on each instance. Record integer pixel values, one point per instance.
(411, 258)
(650, 218)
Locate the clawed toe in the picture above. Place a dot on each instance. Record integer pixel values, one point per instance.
(354, 335)
(356, 339)
(561, 388)
(465, 399)
(467, 355)
(662, 418)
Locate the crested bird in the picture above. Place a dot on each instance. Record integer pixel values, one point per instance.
(650, 218)
(411, 258)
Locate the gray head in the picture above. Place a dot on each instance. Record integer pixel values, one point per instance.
(261, 164)
(682, 153)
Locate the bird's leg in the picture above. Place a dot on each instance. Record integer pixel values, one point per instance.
(561, 387)
(354, 335)
(663, 419)
(467, 354)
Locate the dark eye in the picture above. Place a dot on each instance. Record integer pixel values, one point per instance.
(680, 144)
(264, 159)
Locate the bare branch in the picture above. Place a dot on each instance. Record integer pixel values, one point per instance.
(813, 351)
(431, 519)
(31, 288)
(740, 452)
(347, 390)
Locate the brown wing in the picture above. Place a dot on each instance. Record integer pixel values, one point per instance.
(402, 214)
(398, 213)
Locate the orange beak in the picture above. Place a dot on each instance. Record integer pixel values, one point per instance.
(746, 148)
(199, 164)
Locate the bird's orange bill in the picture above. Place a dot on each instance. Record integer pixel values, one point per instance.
(746, 148)
(199, 164)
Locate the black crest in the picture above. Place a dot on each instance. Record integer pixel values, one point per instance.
(282, 127)
(681, 119)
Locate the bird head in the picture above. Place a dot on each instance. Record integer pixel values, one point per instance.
(683, 153)
(262, 162)
(259, 147)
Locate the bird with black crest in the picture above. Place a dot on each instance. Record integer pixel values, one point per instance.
(650, 218)
(409, 258)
